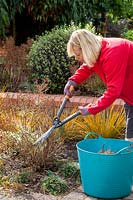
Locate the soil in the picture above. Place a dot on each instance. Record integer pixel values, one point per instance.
(70, 150)
(13, 165)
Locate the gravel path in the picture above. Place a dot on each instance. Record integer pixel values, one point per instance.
(75, 195)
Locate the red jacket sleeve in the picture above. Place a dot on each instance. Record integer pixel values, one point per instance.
(114, 70)
(81, 74)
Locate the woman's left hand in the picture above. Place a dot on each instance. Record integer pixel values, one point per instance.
(84, 110)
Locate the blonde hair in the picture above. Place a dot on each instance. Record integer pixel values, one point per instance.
(89, 43)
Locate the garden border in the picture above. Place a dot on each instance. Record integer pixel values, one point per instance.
(56, 99)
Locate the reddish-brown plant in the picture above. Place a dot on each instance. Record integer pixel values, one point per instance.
(15, 69)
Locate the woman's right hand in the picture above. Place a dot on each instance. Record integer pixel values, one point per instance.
(67, 89)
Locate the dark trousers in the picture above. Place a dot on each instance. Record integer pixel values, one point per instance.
(129, 120)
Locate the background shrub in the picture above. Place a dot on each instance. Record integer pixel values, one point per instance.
(93, 86)
(48, 58)
(14, 72)
(128, 35)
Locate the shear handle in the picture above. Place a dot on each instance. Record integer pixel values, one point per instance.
(61, 107)
(68, 119)
(65, 100)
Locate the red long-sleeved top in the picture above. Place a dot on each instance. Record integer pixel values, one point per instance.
(115, 67)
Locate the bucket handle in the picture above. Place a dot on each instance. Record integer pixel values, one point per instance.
(126, 149)
(92, 133)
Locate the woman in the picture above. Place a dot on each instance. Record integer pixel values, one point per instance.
(112, 60)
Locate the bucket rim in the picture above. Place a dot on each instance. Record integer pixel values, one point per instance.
(94, 153)
(119, 152)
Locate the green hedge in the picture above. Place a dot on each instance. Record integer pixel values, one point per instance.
(48, 58)
(128, 35)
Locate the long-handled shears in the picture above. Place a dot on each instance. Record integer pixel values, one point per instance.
(57, 122)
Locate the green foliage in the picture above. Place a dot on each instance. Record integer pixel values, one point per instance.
(61, 12)
(22, 177)
(93, 86)
(4, 17)
(117, 8)
(128, 35)
(48, 58)
(70, 170)
(8, 10)
(54, 184)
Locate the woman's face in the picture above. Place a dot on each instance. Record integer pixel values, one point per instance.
(78, 54)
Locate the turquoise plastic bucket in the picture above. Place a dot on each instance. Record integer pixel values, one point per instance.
(106, 175)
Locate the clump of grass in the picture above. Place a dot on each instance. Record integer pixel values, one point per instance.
(109, 123)
(21, 123)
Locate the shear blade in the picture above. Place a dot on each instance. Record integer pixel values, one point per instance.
(45, 135)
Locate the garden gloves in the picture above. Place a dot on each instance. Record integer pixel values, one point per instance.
(83, 109)
(67, 90)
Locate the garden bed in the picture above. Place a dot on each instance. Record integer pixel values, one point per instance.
(19, 178)
(23, 118)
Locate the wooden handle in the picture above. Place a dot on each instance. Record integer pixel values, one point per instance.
(71, 89)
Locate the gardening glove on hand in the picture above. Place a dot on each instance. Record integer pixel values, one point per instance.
(84, 110)
(67, 90)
